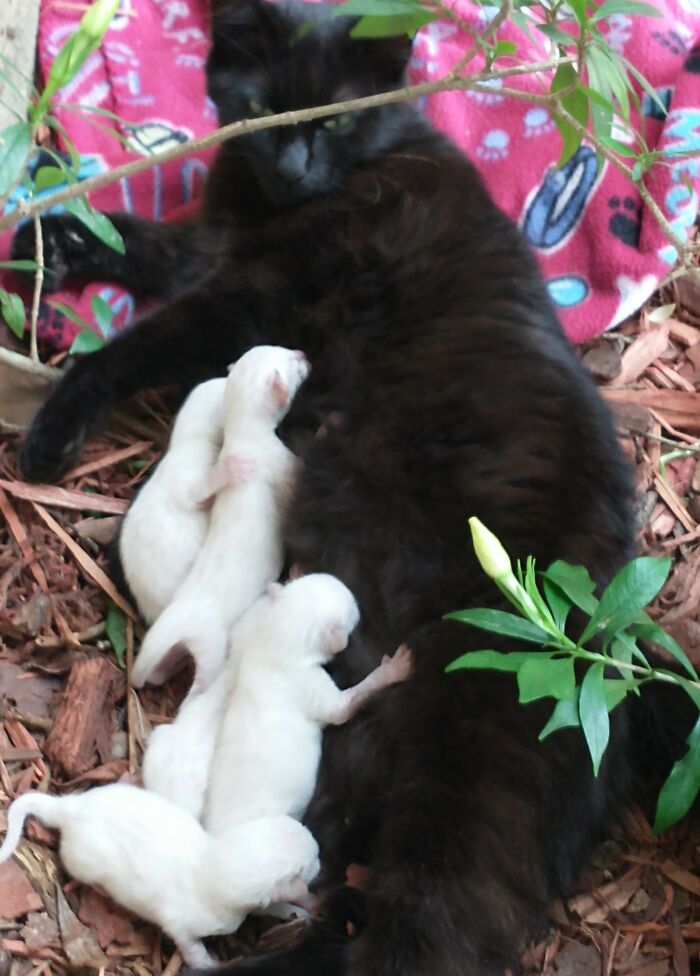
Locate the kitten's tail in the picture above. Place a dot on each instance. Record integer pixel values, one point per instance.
(183, 627)
(49, 809)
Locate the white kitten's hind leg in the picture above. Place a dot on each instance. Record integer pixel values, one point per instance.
(195, 955)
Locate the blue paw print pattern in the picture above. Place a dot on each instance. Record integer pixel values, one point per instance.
(652, 109)
(692, 63)
(90, 165)
(558, 205)
(568, 290)
(494, 145)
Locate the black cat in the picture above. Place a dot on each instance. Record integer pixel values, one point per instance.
(369, 242)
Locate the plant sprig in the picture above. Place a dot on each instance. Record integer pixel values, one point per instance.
(617, 621)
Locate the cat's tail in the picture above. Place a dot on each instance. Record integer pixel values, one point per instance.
(185, 627)
(51, 810)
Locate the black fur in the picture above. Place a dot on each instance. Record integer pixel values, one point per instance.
(374, 247)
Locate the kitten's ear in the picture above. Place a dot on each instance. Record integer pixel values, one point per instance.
(274, 590)
(230, 367)
(337, 639)
(279, 390)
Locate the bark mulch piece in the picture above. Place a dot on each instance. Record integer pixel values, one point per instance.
(66, 722)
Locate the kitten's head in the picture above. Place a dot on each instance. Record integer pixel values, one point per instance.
(268, 58)
(264, 382)
(318, 608)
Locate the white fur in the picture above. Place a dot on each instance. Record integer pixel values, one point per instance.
(178, 755)
(267, 753)
(242, 552)
(164, 530)
(157, 861)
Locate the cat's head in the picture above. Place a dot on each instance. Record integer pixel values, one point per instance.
(268, 58)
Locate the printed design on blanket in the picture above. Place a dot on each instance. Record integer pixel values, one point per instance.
(559, 202)
(600, 252)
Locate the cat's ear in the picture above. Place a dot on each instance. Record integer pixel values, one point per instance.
(278, 390)
(386, 57)
(274, 590)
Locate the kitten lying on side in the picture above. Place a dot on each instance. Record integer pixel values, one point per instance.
(165, 527)
(243, 551)
(269, 745)
(157, 861)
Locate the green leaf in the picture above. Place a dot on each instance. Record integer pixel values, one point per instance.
(47, 177)
(558, 602)
(501, 48)
(557, 34)
(87, 341)
(648, 88)
(681, 787)
(575, 582)
(103, 314)
(566, 711)
(493, 660)
(394, 26)
(115, 625)
(593, 713)
(610, 65)
(100, 225)
(21, 265)
(12, 308)
(611, 7)
(657, 635)
(564, 716)
(690, 687)
(532, 590)
(619, 147)
(380, 8)
(631, 590)
(575, 103)
(579, 9)
(15, 144)
(70, 314)
(500, 622)
(543, 677)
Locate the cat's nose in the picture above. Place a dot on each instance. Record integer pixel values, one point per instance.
(293, 160)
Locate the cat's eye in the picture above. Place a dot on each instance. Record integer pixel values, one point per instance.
(258, 109)
(339, 122)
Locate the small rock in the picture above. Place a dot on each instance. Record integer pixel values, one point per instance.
(639, 903)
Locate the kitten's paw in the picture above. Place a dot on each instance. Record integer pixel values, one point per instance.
(67, 244)
(398, 668)
(50, 447)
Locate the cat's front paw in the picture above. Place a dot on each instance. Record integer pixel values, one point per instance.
(51, 446)
(66, 244)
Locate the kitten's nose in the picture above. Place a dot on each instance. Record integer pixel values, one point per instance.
(293, 161)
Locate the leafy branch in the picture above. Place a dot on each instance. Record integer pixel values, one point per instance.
(617, 621)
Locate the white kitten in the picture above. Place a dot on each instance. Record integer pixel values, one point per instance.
(164, 529)
(242, 552)
(267, 753)
(178, 755)
(157, 861)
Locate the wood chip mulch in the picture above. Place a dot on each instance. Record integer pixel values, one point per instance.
(67, 722)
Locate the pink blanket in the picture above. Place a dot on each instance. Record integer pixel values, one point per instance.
(600, 253)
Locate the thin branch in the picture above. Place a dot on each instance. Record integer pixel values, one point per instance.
(236, 129)
(38, 282)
